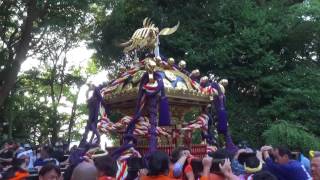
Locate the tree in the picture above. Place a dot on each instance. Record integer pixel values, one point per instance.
(293, 135)
(23, 25)
(260, 47)
(30, 115)
(52, 52)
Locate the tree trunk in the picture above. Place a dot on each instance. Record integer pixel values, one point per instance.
(10, 120)
(72, 117)
(55, 124)
(9, 79)
(9, 76)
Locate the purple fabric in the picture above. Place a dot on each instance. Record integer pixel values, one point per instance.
(77, 156)
(94, 107)
(210, 136)
(219, 104)
(137, 114)
(117, 152)
(152, 97)
(164, 111)
(152, 109)
(229, 144)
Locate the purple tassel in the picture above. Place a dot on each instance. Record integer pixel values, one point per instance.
(219, 104)
(94, 107)
(117, 152)
(222, 115)
(231, 148)
(221, 111)
(152, 108)
(137, 114)
(164, 111)
(164, 115)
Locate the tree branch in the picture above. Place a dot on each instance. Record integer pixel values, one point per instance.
(36, 42)
(62, 78)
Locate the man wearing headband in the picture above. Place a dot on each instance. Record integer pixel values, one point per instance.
(282, 166)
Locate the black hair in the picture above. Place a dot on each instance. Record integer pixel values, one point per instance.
(264, 175)
(252, 162)
(244, 156)
(176, 153)
(17, 162)
(134, 165)
(243, 144)
(220, 154)
(49, 167)
(48, 149)
(158, 163)
(10, 142)
(284, 151)
(197, 167)
(107, 165)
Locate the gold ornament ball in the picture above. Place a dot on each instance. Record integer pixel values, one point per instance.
(150, 65)
(224, 82)
(204, 79)
(195, 73)
(171, 61)
(182, 64)
(122, 69)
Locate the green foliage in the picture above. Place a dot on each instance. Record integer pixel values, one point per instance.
(24, 26)
(29, 109)
(41, 95)
(295, 97)
(292, 135)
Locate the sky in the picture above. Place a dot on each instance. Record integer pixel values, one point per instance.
(78, 57)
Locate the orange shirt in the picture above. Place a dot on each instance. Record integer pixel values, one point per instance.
(216, 177)
(212, 177)
(170, 175)
(20, 175)
(106, 178)
(170, 172)
(160, 177)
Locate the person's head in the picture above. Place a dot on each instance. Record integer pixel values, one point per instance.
(8, 145)
(158, 163)
(252, 164)
(134, 164)
(106, 166)
(281, 155)
(84, 171)
(197, 167)
(219, 157)
(73, 147)
(16, 145)
(263, 175)
(220, 154)
(24, 157)
(49, 172)
(27, 146)
(315, 167)
(20, 163)
(177, 153)
(243, 144)
(58, 146)
(45, 152)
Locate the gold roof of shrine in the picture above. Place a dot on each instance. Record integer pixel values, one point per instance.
(180, 89)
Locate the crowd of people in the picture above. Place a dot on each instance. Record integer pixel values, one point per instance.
(22, 161)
